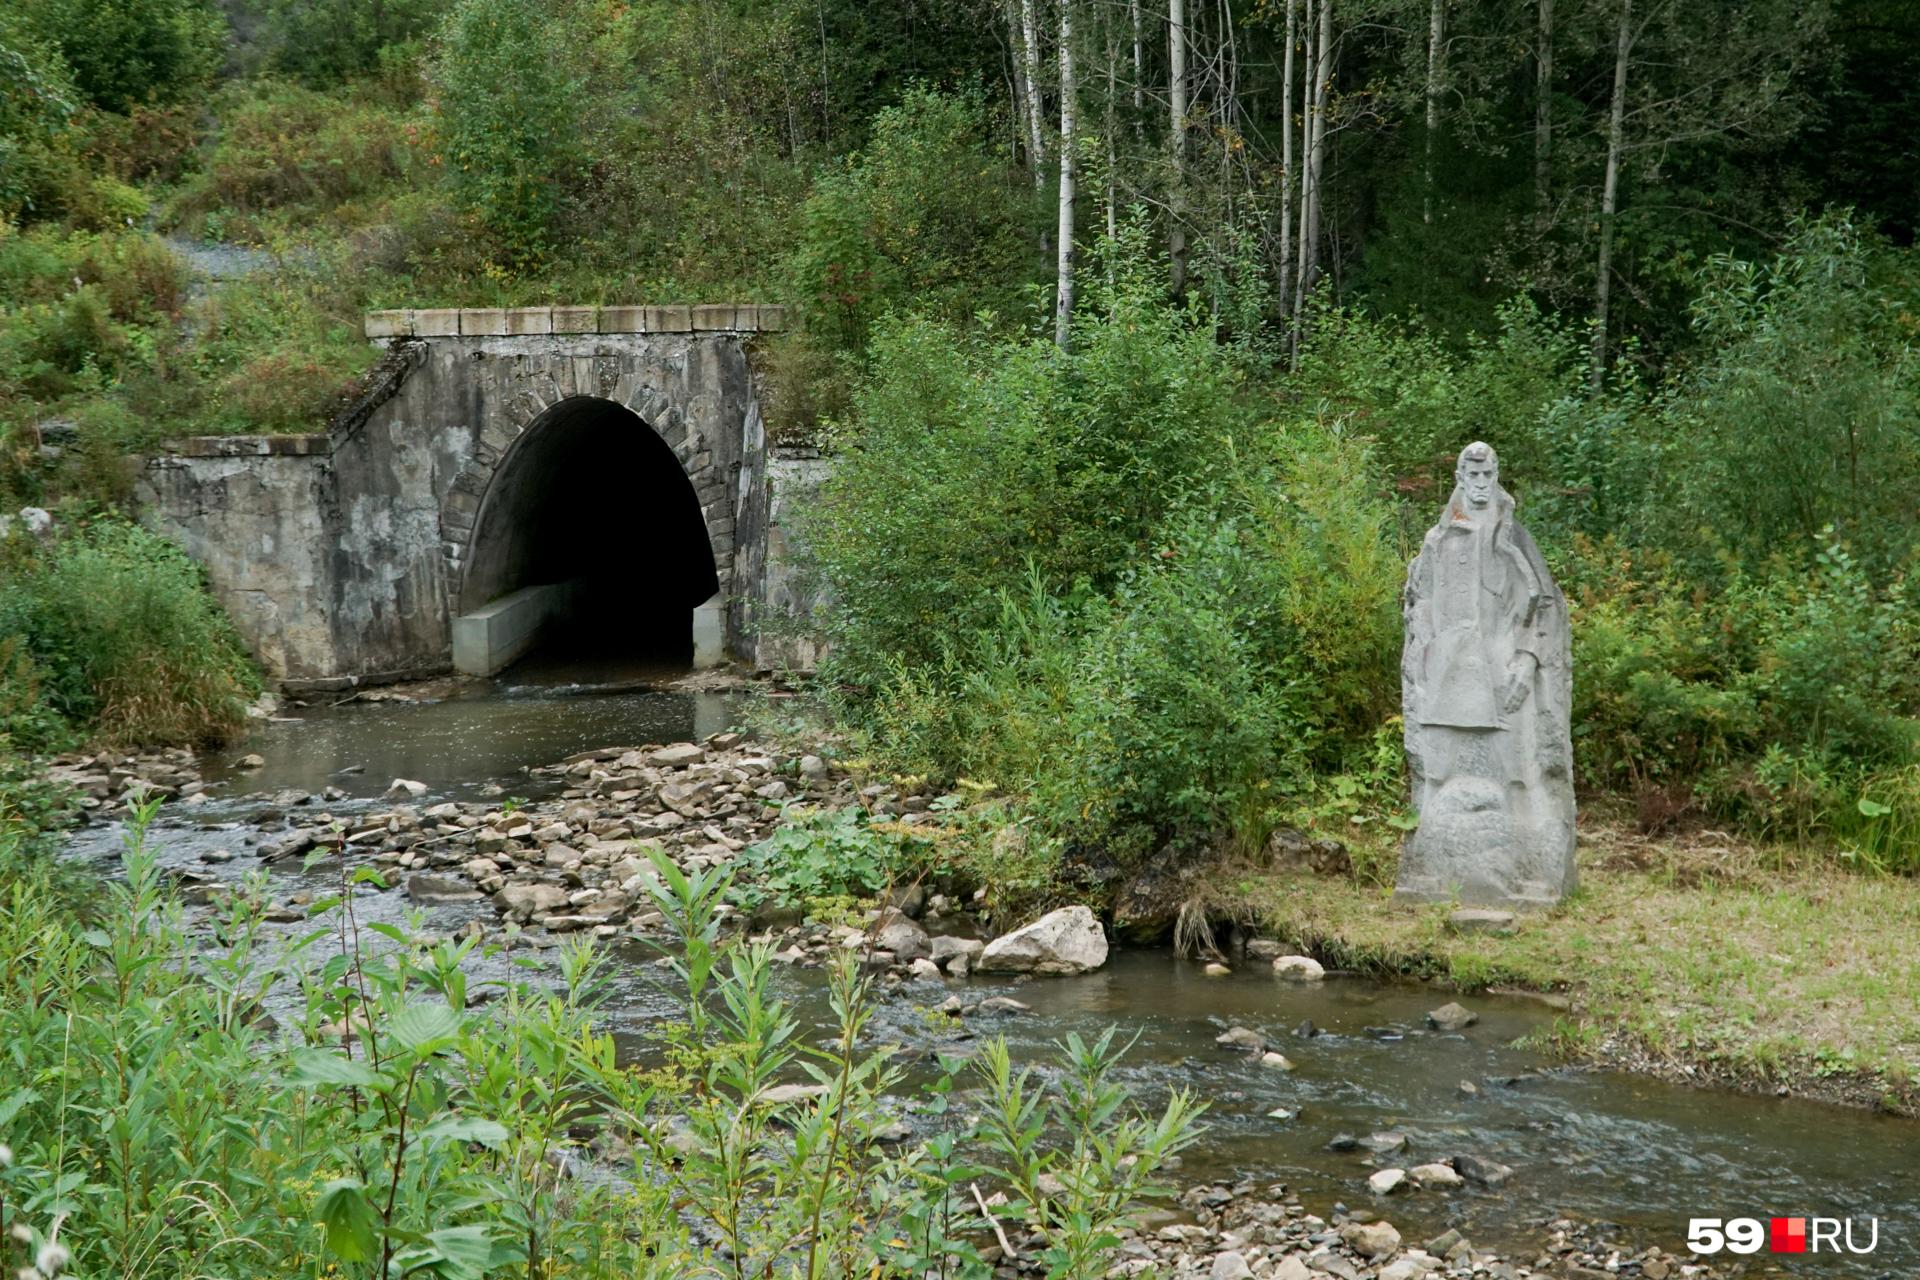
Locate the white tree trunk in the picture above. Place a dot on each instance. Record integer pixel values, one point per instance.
(1288, 178)
(1306, 176)
(1609, 194)
(1317, 151)
(1543, 111)
(1030, 64)
(1139, 60)
(1063, 296)
(1436, 32)
(1177, 142)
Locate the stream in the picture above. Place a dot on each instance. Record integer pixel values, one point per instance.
(1629, 1150)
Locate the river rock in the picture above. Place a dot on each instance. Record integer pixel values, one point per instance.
(1371, 1239)
(1069, 940)
(1215, 969)
(1230, 1265)
(1290, 1268)
(1277, 1061)
(1386, 1181)
(1435, 1175)
(677, 756)
(1487, 695)
(1003, 1004)
(521, 902)
(812, 768)
(405, 789)
(948, 951)
(907, 940)
(432, 890)
(252, 760)
(1241, 1038)
(1452, 1017)
(1488, 1173)
(1299, 969)
(925, 968)
(1414, 1266)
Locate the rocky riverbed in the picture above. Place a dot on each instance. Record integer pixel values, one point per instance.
(575, 861)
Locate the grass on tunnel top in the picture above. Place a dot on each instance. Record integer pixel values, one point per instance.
(1748, 965)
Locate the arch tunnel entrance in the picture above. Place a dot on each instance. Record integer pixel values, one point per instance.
(589, 550)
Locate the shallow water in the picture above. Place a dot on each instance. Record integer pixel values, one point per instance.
(1624, 1149)
(487, 734)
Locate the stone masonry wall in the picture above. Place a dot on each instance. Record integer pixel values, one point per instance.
(341, 556)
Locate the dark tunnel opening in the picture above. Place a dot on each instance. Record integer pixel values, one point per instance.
(592, 502)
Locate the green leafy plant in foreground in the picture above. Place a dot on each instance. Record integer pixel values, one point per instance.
(155, 1124)
(797, 1182)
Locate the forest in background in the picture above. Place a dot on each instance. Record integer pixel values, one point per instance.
(1145, 332)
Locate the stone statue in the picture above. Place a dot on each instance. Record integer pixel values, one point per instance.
(1486, 686)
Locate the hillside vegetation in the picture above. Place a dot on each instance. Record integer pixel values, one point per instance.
(1118, 524)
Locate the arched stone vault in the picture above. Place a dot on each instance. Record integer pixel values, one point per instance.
(345, 556)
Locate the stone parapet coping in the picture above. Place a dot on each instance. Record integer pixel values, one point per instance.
(497, 322)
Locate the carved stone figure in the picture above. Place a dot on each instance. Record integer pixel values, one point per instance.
(1486, 687)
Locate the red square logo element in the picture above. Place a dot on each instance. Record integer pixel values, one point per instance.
(1788, 1235)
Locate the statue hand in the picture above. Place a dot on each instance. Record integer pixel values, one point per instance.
(1520, 671)
(1518, 687)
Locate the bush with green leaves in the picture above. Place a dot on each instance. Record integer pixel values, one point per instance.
(127, 644)
(970, 463)
(926, 217)
(1800, 410)
(823, 854)
(123, 53)
(506, 85)
(329, 42)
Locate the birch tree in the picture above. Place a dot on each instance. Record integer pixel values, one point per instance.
(1177, 143)
(1063, 295)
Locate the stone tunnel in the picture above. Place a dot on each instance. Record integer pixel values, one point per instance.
(591, 478)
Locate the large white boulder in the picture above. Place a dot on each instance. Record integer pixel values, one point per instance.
(1069, 940)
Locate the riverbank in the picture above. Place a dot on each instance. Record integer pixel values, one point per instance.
(1693, 957)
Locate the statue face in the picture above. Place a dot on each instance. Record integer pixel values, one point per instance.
(1479, 477)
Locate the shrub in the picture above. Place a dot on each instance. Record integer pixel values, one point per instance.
(326, 42)
(970, 463)
(127, 52)
(506, 115)
(129, 645)
(1801, 410)
(926, 216)
(830, 853)
(283, 147)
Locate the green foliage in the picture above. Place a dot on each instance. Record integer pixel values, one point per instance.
(124, 53)
(926, 218)
(827, 853)
(970, 461)
(1183, 679)
(804, 1182)
(327, 42)
(286, 148)
(1800, 412)
(126, 642)
(505, 106)
(156, 1128)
